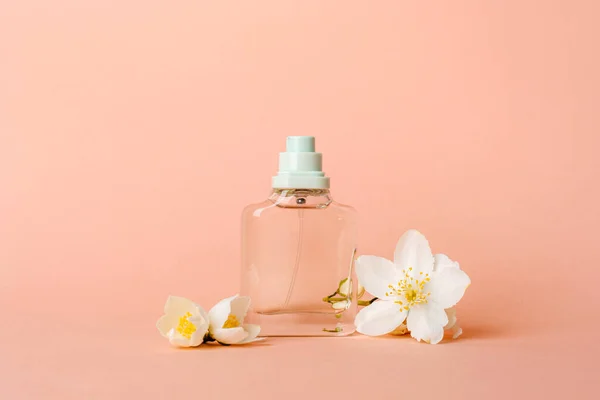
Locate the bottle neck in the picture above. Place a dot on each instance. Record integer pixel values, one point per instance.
(301, 198)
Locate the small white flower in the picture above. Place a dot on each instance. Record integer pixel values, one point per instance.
(416, 287)
(344, 288)
(341, 305)
(227, 321)
(185, 323)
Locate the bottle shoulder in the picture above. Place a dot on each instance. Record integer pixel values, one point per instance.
(268, 207)
(343, 207)
(255, 209)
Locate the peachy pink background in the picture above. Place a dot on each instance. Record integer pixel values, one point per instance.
(132, 133)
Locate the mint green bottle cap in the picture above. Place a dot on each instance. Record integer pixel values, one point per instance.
(300, 167)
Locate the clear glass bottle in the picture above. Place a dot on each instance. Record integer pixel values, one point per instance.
(298, 250)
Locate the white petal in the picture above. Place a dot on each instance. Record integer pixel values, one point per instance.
(361, 291)
(220, 312)
(201, 325)
(344, 287)
(177, 339)
(341, 305)
(201, 313)
(442, 261)
(379, 318)
(198, 336)
(456, 331)
(253, 331)
(451, 314)
(229, 335)
(239, 307)
(447, 286)
(426, 322)
(180, 341)
(399, 331)
(179, 305)
(453, 323)
(412, 251)
(166, 323)
(375, 274)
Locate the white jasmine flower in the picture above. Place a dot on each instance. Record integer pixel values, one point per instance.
(227, 321)
(185, 323)
(416, 287)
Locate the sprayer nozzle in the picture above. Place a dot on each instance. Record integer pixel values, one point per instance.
(300, 144)
(300, 167)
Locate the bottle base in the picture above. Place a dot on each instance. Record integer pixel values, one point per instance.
(302, 324)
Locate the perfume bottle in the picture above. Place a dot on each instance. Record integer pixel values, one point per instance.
(298, 250)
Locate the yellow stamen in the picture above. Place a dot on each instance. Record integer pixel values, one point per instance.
(413, 293)
(185, 327)
(232, 322)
